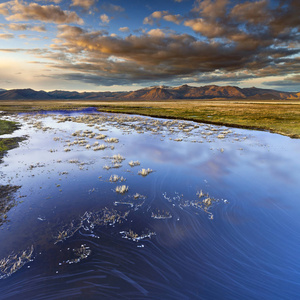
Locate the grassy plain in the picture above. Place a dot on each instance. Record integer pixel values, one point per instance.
(281, 117)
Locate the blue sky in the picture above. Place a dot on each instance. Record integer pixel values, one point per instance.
(96, 45)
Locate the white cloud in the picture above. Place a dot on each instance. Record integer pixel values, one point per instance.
(156, 33)
(105, 18)
(124, 29)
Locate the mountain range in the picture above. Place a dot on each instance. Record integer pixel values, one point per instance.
(154, 93)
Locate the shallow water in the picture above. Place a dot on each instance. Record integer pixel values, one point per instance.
(165, 243)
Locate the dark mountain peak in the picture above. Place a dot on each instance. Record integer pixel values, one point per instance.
(24, 94)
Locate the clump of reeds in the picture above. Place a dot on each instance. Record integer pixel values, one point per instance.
(145, 172)
(116, 166)
(112, 140)
(73, 161)
(100, 136)
(121, 189)
(134, 163)
(118, 158)
(114, 178)
(100, 147)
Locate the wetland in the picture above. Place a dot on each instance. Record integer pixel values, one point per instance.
(100, 204)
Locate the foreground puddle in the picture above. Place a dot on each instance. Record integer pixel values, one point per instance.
(118, 205)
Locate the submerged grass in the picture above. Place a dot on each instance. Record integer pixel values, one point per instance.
(281, 117)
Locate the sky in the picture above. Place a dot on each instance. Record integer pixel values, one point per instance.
(122, 45)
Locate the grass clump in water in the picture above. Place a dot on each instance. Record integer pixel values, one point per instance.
(122, 189)
(145, 172)
(112, 140)
(134, 163)
(14, 262)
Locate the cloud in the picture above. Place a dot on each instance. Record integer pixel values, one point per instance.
(155, 15)
(295, 78)
(105, 18)
(211, 20)
(285, 20)
(252, 12)
(23, 36)
(232, 41)
(111, 8)
(18, 27)
(86, 4)
(208, 29)
(251, 25)
(160, 56)
(157, 54)
(54, 1)
(211, 9)
(93, 79)
(40, 28)
(6, 36)
(225, 77)
(158, 15)
(17, 11)
(288, 83)
(156, 33)
(177, 19)
(4, 9)
(124, 29)
(24, 26)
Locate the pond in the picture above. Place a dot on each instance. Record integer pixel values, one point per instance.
(124, 206)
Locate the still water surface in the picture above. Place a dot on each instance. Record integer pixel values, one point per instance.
(217, 217)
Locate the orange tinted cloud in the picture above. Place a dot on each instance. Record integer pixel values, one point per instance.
(17, 11)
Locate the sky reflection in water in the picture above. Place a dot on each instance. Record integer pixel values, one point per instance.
(249, 250)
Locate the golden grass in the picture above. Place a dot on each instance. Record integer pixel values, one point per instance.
(282, 117)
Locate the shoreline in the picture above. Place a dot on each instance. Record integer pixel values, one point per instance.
(280, 117)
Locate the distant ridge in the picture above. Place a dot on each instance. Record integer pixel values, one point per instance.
(154, 94)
